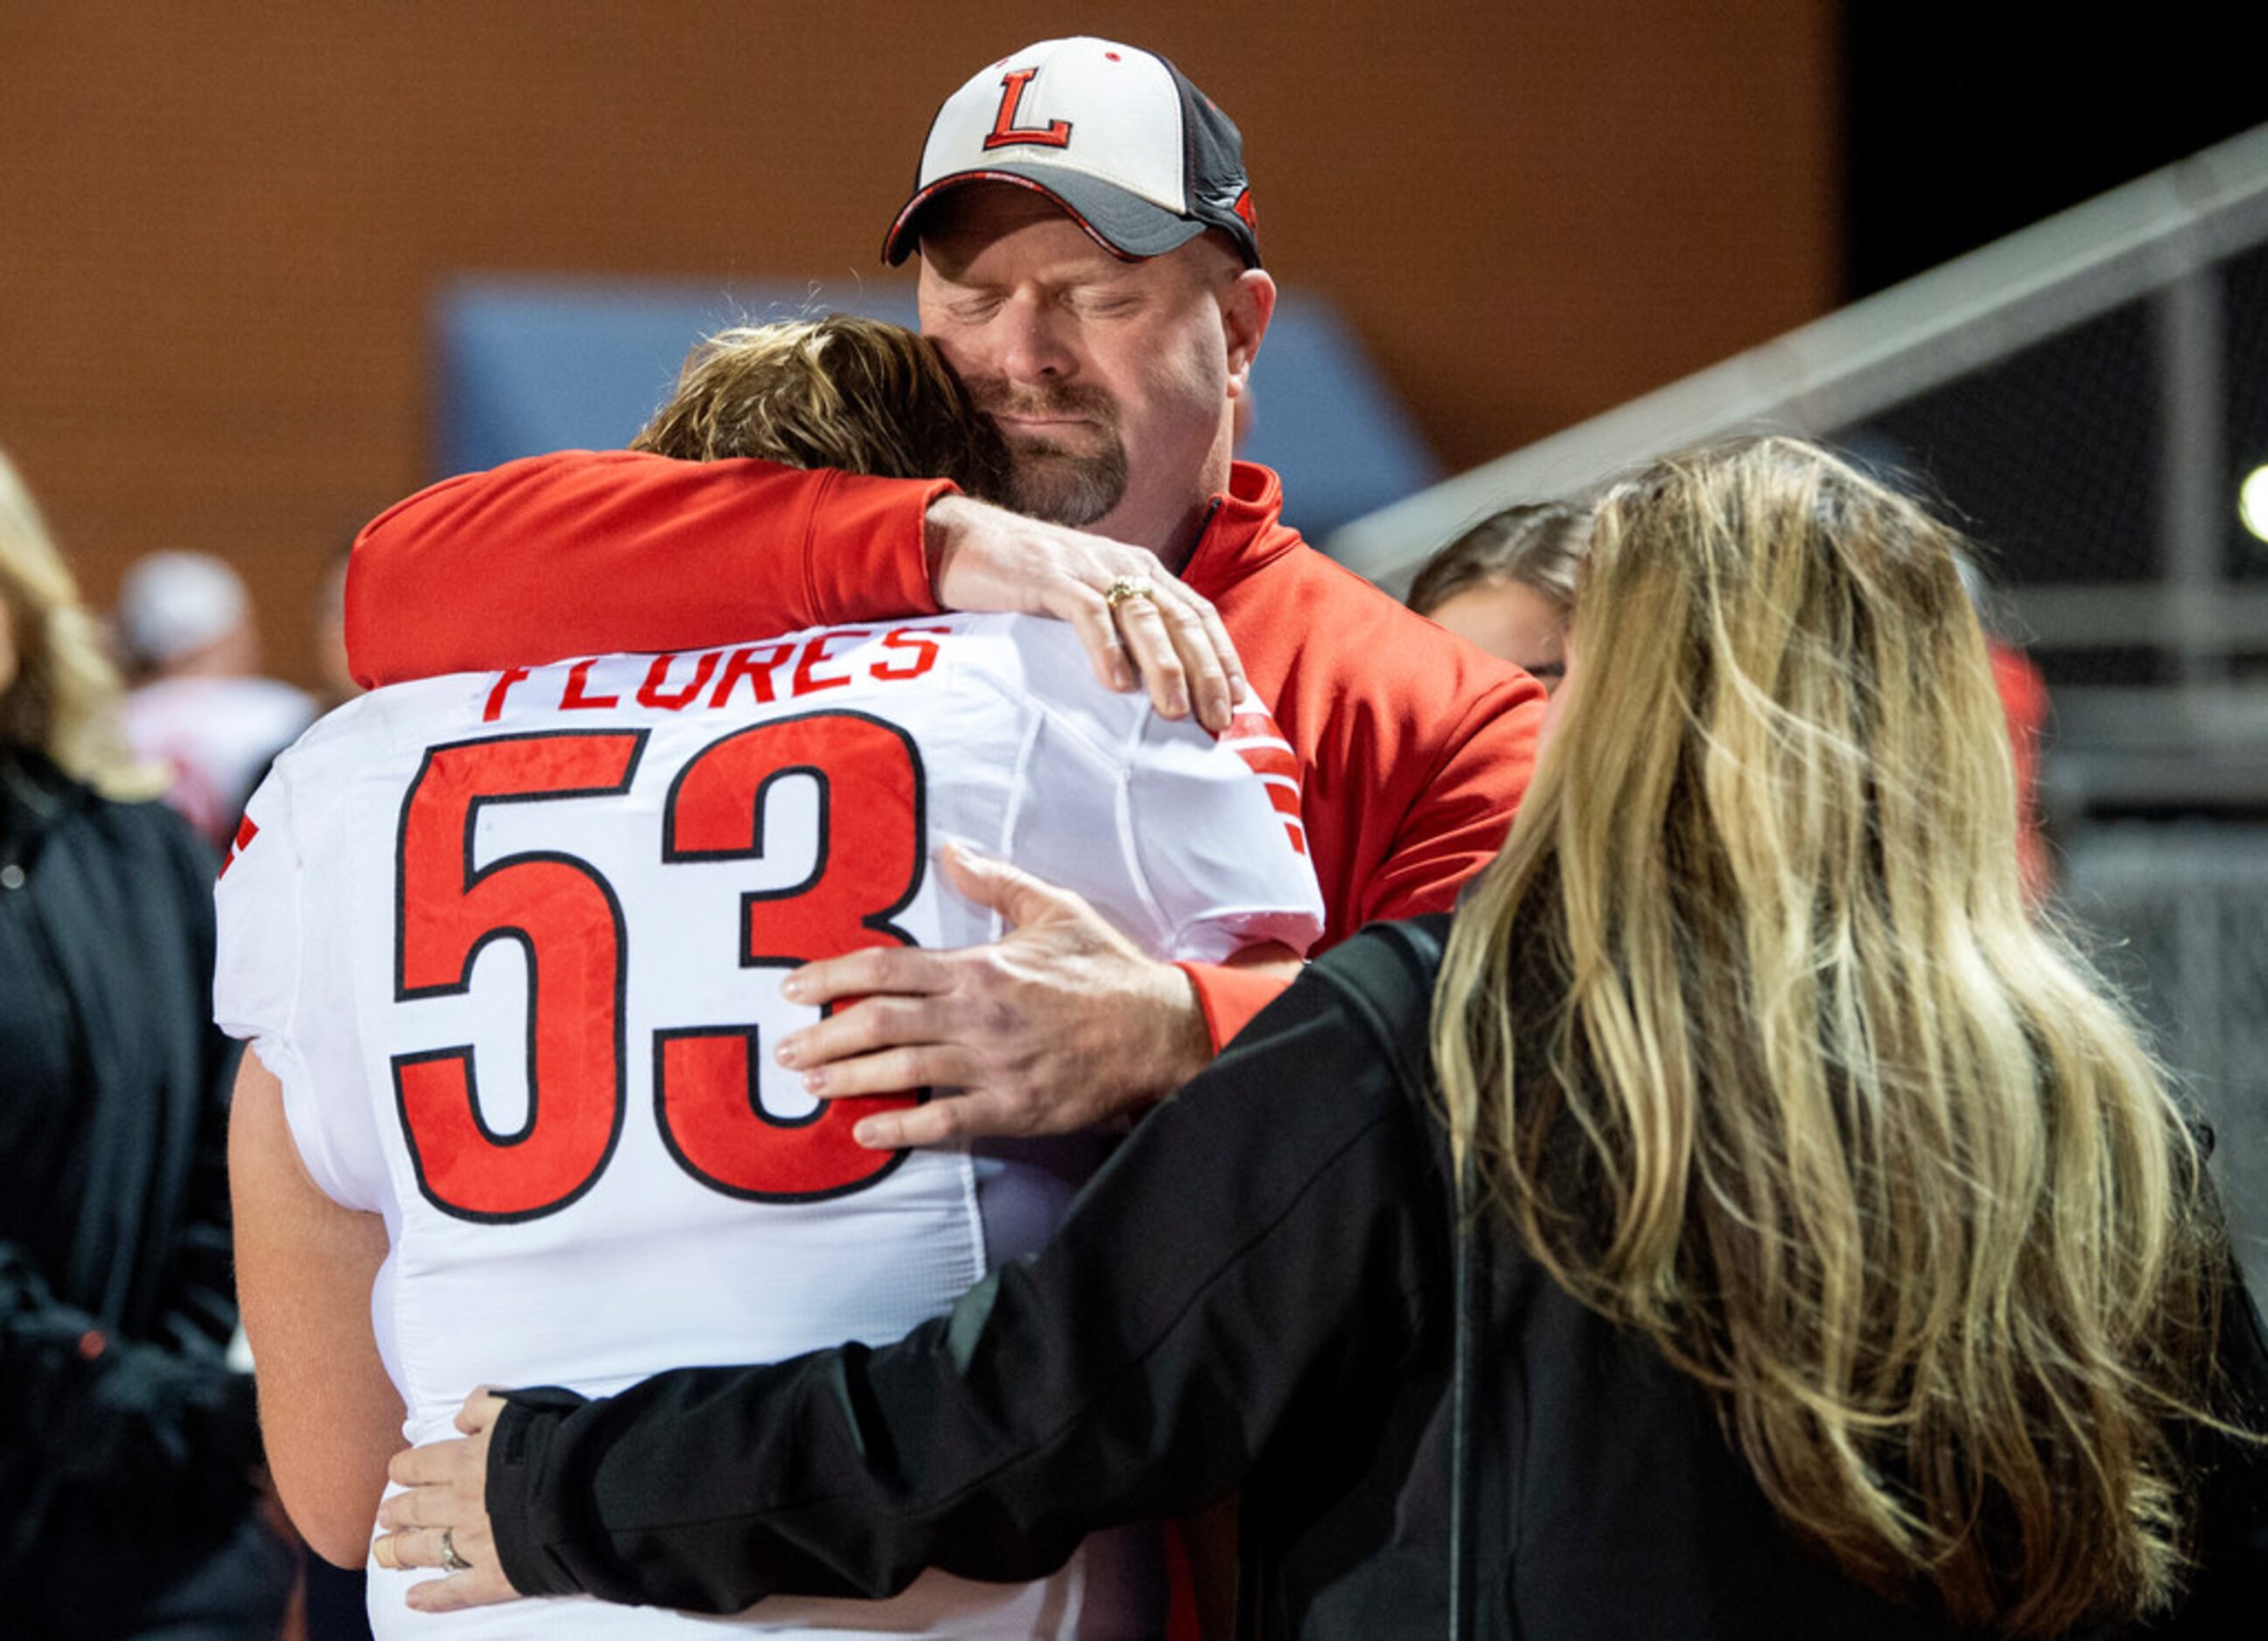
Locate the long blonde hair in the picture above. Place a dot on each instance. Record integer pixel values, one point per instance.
(1749, 1037)
(63, 702)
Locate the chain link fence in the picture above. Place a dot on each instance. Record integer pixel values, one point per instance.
(2176, 914)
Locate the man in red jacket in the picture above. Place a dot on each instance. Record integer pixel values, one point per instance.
(1089, 266)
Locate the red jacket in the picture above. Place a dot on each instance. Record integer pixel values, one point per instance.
(1414, 746)
(2024, 698)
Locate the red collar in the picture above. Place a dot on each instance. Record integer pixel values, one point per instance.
(1244, 530)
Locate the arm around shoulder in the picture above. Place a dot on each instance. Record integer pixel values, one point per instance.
(586, 551)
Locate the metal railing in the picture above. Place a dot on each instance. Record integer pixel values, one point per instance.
(2153, 237)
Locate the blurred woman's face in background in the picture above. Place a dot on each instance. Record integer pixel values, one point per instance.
(1512, 622)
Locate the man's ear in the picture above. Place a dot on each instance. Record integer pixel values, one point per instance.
(1246, 304)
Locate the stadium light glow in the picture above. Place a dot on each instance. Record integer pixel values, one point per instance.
(2252, 502)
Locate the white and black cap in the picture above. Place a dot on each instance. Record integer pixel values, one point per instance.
(1116, 136)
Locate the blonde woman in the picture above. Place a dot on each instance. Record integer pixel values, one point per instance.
(127, 1446)
(1832, 1261)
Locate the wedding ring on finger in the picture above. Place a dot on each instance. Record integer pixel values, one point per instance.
(452, 1562)
(1127, 587)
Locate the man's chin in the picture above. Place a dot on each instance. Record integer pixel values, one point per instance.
(1061, 489)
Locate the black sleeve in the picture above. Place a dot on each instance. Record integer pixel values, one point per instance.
(150, 1423)
(1265, 1248)
(2232, 1550)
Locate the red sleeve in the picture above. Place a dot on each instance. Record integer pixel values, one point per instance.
(2024, 698)
(589, 551)
(1453, 828)
(1462, 808)
(1230, 996)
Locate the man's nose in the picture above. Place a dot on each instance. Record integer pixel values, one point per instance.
(1034, 341)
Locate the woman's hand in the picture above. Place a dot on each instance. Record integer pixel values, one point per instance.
(442, 1521)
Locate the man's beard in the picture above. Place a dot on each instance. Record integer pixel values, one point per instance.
(1053, 481)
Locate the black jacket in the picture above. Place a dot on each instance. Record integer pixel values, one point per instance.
(1261, 1290)
(127, 1444)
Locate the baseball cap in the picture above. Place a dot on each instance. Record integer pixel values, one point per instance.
(171, 604)
(1116, 136)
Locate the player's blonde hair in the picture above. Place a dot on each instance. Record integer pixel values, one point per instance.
(1749, 1037)
(835, 391)
(63, 702)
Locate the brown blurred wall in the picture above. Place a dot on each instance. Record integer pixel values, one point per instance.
(221, 224)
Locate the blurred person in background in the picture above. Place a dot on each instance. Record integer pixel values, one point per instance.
(200, 708)
(1507, 584)
(1742, 1223)
(2024, 697)
(128, 1452)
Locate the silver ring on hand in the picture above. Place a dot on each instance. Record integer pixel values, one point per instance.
(1128, 587)
(451, 1561)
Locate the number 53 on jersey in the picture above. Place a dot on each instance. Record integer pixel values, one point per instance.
(578, 938)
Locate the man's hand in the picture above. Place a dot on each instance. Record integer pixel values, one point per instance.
(448, 1489)
(986, 558)
(1059, 1026)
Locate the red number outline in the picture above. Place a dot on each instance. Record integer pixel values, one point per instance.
(828, 1127)
(415, 1108)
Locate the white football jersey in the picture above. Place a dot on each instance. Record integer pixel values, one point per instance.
(512, 942)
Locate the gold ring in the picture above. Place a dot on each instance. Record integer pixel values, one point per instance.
(1128, 587)
(451, 1561)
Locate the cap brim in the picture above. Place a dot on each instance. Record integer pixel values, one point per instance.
(1122, 223)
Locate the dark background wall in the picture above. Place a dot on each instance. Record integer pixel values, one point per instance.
(1967, 120)
(222, 221)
